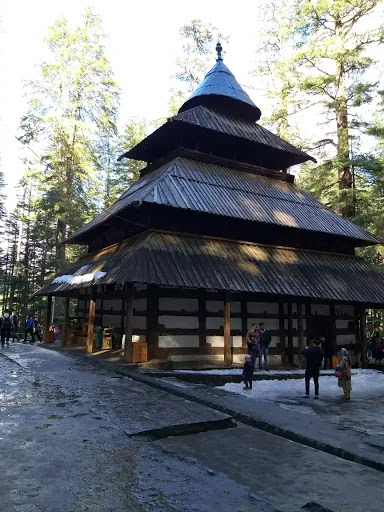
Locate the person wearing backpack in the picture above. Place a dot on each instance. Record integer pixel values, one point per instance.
(6, 327)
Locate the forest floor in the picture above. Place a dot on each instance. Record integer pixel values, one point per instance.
(75, 437)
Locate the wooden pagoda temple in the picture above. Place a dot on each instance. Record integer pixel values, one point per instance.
(215, 236)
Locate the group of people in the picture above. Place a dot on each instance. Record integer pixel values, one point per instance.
(314, 356)
(9, 326)
(258, 341)
(375, 347)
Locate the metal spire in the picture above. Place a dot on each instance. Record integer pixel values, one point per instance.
(219, 49)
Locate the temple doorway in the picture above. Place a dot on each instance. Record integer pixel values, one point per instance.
(318, 326)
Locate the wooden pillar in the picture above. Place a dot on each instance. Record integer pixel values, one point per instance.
(66, 321)
(152, 319)
(244, 321)
(122, 320)
(202, 321)
(363, 337)
(101, 310)
(128, 323)
(49, 313)
(332, 333)
(78, 307)
(282, 330)
(300, 326)
(91, 324)
(227, 331)
(290, 335)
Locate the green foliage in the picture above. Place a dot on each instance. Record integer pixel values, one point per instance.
(198, 46)
(119, 175)
(72, 106)
(318, 50)
(279, 72)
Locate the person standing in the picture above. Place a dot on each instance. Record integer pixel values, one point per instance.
(265, 340)
(248, 370)
(29, 329)
(38, 329)
(344, 374)
(253, 342)
(327, 350)
(14, 327)
(1, 331)
(313, 355)
(5, 329)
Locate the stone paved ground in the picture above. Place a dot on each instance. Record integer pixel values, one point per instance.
(352, 430)
(68, 443)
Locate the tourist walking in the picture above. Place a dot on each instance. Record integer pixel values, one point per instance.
(379, 351)
(29, 329)
(1, 331)
(38, 329)
(265, 340)
(248, 370)
(327, 350)
(14, 327)
(253, 342)
(313, 355)
(344, 374)
(5, 329)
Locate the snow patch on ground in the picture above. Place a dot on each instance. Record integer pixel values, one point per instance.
(365, 383)
(239, 371)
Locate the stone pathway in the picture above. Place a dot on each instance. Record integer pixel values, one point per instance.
(75, 437)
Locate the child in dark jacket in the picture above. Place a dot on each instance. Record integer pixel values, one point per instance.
(248, 372)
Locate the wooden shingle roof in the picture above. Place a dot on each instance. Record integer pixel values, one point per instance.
(240, 130)
(190, 261)
(214, 189)
(221, 89)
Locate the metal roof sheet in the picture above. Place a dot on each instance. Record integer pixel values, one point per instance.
(215, 189)
(220, 82)
(167, 259)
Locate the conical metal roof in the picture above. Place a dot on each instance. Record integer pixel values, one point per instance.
(220, 90)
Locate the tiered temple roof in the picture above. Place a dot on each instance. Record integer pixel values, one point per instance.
(215, 208)
(170, 259)
(187, 184)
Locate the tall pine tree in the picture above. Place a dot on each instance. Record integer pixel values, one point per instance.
(72, 105)
(333, 38)
(198, 44)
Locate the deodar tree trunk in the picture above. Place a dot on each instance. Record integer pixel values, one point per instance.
(347, 207)
(60, 247)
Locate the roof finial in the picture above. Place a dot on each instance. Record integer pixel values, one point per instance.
(219, 49)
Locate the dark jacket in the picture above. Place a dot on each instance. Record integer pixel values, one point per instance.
(248, 369)
(265, 338)
(313, 356)
(6, 323)
(327, 348)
